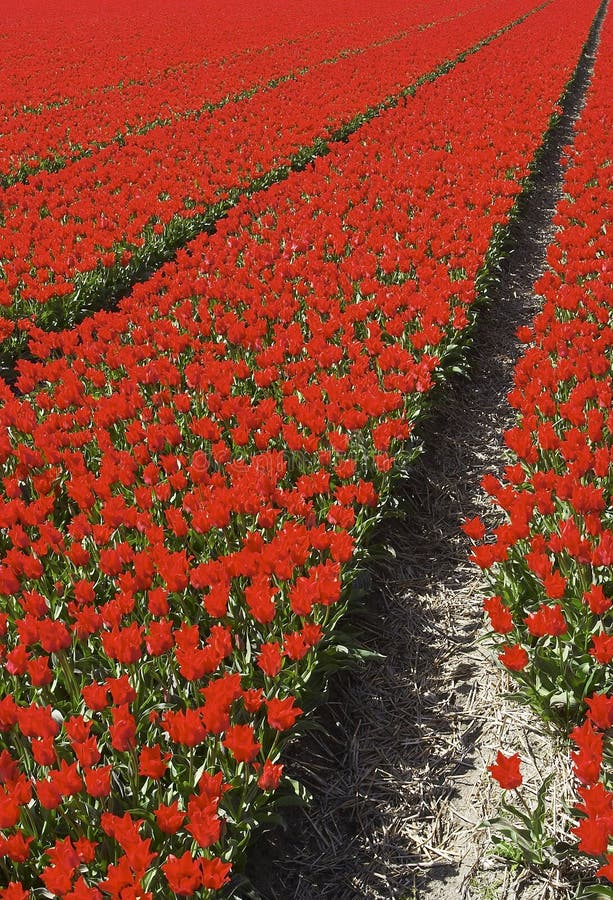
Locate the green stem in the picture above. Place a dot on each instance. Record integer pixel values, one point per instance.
(4, 869)
(133, 772)
(27, 816)
(191, 768)
(71, 682)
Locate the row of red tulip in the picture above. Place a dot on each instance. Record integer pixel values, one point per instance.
(550, 562)
(111, 48)
(69, 237)
(53, 136)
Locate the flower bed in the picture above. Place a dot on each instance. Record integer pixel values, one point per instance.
(112, 49)
(550, 562)
(72, 238)
(51, 137)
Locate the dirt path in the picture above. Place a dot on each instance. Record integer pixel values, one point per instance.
(398, 773)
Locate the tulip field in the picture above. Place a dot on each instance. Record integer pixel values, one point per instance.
(240, 245)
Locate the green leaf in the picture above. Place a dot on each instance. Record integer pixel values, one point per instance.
(598, 891)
